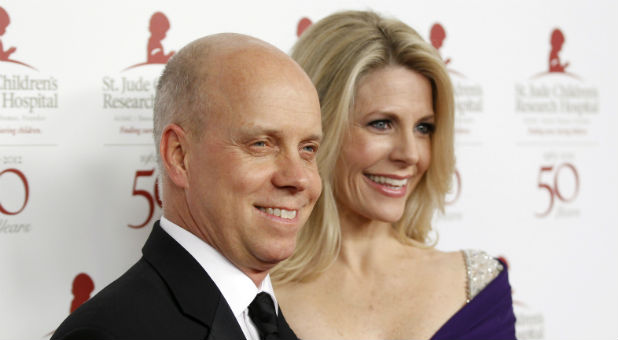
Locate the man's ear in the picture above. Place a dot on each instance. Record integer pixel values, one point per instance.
(174, 151)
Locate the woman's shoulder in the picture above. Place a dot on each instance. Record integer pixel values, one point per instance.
(481, 269)
(441, 271)
(488, 313)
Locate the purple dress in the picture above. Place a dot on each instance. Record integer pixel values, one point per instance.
(489, 315)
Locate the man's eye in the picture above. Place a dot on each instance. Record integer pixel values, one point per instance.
(259, 147)
(426, 128)
(309, 152)
(381, 124)
(310, 148)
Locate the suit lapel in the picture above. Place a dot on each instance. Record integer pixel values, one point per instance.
(196, 294)
(221, 327)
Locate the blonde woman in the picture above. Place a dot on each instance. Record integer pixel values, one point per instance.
(365, 266)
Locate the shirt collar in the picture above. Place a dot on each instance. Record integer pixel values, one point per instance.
(237, 288)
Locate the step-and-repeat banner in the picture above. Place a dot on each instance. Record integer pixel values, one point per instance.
(537, 160)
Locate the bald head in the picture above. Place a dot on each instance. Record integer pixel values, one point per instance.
(204, 76)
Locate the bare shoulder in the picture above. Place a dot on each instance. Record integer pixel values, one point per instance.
(448, 259)
(442, 262)
(475, 268)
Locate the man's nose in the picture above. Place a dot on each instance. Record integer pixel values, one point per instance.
(292, 173)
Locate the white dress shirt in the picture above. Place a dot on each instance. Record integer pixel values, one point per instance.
(237, 288)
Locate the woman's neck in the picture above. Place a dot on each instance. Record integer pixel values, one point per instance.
(365, 243)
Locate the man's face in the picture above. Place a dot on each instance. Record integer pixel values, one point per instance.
(252, 175)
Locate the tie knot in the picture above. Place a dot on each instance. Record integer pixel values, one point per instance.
(262, 313)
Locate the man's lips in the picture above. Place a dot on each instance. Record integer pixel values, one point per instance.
(284, 213)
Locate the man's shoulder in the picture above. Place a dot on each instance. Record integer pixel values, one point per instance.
(136, 305)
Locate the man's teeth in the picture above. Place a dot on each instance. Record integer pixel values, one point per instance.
(388, 181)
(287, 214)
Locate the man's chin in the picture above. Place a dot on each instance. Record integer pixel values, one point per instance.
(272, 256)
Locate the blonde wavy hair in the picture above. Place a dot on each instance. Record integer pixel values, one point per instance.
(336, 53)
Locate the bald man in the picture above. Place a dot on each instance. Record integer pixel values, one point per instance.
(237, 124)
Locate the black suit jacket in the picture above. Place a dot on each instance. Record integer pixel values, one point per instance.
(165, 295)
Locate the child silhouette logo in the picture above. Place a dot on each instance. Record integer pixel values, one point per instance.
(82, 288)
(555, 66)
(437, 34)
(557, 40)
(155, 54)
(303, 24)
(5, 55)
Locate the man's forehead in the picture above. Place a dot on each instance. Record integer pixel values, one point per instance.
(251, 73)
(257, 100)
(255, 88)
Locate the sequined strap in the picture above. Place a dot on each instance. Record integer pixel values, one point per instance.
(481, 269)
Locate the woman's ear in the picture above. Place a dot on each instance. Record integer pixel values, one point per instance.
(174, 151)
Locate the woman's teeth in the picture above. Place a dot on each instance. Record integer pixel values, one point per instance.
(396, 183)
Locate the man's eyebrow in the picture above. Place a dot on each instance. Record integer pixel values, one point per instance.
(315, 137)
(256, 130)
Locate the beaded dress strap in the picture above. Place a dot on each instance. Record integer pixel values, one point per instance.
(481, 269)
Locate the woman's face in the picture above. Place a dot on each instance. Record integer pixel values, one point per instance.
(388, 147)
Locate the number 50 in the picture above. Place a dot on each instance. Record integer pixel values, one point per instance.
(24, 181)
(147, 195)
(554, 190)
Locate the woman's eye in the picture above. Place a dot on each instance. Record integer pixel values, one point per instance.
(426, 128)
(381, 124)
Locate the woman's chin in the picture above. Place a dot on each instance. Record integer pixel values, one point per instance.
(388, 216)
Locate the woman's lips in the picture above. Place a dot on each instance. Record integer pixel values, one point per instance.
(389, 185)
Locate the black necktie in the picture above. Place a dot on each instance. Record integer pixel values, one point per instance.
(262, 313)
